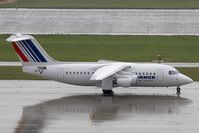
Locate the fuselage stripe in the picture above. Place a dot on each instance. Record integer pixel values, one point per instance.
(20, 53)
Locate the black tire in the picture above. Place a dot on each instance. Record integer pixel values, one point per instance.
(178, 91)
(107, 91)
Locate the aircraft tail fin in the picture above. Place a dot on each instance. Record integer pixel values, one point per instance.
(29, 50)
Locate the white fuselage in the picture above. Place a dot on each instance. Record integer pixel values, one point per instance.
(151, 75)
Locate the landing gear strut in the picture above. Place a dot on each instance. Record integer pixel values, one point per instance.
(178, 91)
(107, 86)
(108, 92)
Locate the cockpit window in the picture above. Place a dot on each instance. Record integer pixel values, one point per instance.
(173, 72)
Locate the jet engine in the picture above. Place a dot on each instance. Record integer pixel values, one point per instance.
(126, 81)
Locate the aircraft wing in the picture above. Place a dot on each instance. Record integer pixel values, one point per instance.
(108, 70)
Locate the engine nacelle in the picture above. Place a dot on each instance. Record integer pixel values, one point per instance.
(126, 81)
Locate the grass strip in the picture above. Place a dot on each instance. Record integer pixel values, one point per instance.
(110, 47)
(104, 4)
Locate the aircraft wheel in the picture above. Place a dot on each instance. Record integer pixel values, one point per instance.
(178, 91)
(108, 92)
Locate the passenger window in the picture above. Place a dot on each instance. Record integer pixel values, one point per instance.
(153, 73)
(88, 73)
(80, 72)
(84, 72)
(66, 72)
(77, 72)
(73, 72)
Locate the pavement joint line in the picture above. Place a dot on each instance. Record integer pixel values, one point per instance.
(174, 64)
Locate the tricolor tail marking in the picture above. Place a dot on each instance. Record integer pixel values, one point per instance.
(20, 53)
(28, 52)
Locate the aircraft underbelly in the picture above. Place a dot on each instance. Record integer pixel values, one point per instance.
(80, 81)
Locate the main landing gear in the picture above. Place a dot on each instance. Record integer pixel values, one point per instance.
(178, 91)
(108, 92)
(107, 86)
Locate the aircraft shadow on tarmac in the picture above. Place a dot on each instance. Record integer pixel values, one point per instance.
(98, 108)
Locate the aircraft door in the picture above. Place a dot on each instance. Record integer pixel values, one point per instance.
(60, 73)
(160, 75)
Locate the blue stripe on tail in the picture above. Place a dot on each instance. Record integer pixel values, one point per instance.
(36, 51)
(26, 49)
(31, 51)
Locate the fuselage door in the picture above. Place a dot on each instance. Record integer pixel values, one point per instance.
(160, 75)
(60, 73)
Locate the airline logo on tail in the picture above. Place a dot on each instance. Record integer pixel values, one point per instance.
(28, 52)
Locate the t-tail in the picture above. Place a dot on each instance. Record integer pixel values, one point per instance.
(30, 51)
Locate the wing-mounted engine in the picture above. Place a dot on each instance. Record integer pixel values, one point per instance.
(124, 78)
(114, 75)
(125, 81)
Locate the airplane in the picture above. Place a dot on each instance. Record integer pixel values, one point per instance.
(104, 74)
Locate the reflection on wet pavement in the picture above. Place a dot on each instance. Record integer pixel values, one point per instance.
(98, 109)
(63, 108)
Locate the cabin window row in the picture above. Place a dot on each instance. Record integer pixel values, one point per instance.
(79, 72)
(145, 73)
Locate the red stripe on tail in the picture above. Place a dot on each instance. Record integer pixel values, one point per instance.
(23, 57)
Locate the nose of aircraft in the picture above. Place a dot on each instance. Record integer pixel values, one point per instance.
(183, 79)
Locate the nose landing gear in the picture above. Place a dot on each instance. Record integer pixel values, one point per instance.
(178, 91)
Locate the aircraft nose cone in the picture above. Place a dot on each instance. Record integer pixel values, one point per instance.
(184, 79)
(189, 80)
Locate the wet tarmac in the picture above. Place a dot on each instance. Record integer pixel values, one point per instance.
(51, 107)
